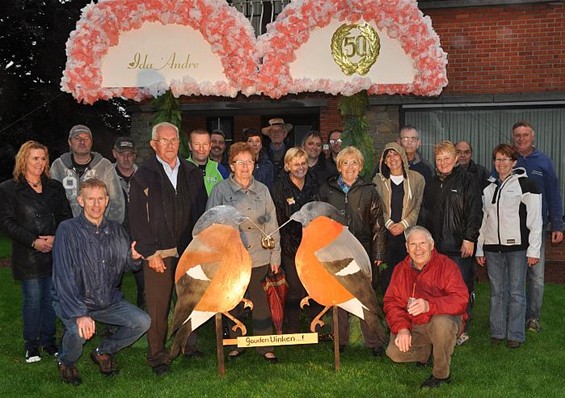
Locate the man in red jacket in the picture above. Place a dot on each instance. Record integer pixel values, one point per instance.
(425, 307)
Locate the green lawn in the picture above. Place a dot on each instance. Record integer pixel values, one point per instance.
(478, 370)
(5, 246)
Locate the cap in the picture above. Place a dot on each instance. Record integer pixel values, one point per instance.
(79, 129)
(276, 122)
(124, 144)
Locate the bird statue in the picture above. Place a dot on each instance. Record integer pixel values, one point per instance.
(333, 266)
(212, 275)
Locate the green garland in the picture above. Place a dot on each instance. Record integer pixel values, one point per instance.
(167, 109)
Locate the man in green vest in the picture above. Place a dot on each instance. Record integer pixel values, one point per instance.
(200, 145)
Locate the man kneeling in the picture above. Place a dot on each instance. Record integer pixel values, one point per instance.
(89, 257)
(425, 307)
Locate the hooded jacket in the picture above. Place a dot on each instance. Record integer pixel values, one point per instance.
(440, 283)
(413, 185)
(24, 216)
(363, 211)
(63, 170)
(515, 198)
(452, 210)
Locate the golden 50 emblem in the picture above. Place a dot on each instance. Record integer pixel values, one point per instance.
(355, 48)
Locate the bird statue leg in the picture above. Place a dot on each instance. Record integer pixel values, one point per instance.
(247, 303)
(318, 320)
(238, 323)
(305, 301)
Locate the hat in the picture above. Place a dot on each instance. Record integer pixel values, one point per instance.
(276, 122)
(79, 129)
(124, 144)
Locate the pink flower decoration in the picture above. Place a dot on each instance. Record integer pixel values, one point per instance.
(229, 33)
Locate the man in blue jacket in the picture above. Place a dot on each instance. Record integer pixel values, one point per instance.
(89, 257)
(539, 167)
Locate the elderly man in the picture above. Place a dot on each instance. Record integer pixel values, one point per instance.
(277, 131)
(409, 139)
(465, 160)
(80, 164)
(89, 257)
(167, 196)
(539, 167)
(425, 307)
(212, 171)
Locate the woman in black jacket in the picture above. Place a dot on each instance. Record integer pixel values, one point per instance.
(293, 189)
(361, 205)
(33, 205)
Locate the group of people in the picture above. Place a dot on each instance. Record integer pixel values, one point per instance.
(78, 225)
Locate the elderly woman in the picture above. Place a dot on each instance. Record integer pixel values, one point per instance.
(293, 190)
(401, 191)
(360, 203)
(511, 200)
(317, 165)
(32, 207)
(253, 200)
(451, 211)
(264, 170)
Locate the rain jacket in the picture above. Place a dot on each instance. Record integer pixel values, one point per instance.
(515, 200)
(24, 216)
(413, 185)
(363, 211)
(452, 210)
(439, 282)
(63, 170)
(88, 263)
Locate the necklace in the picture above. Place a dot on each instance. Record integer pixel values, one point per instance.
(34, 184)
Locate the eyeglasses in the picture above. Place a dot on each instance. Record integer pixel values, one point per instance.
(338, 141)
(409, 139)
(166, 141)
(351, 163)
(502, 160)
(243, 162)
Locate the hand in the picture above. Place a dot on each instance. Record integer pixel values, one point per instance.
(532, 261)
(418, 306)
(467, 248)
(134, 254)
(275, 268)
(481, 260)
(396, 229)
(44, 243)
(403, 340)
(556, 237)
(86, 327)
(156, 264)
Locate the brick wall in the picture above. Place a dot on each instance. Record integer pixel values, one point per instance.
(503, 49)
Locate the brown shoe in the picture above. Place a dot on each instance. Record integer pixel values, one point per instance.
(70, 374)
(105, 362)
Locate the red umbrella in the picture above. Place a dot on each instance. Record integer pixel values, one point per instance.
(276, 288)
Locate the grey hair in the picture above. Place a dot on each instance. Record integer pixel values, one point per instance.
(154, 130)
(419, 228)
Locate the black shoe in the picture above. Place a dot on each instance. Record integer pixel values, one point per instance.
(378, 351)
(433, 382)
(105, 362)
(32, 355)
(495, 341)
(271, 358)
(52, 350)
(193, 352)
(513, 344)
(162, 369)
(70, 374)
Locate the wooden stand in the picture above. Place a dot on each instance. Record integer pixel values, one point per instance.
(337, 354)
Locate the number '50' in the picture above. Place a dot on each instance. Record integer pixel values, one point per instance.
(357, 45)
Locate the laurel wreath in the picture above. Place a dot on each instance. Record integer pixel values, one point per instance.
(365, 63)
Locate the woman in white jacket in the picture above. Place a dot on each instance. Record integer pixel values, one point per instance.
(509, 242)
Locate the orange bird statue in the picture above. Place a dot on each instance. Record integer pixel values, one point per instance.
(212, 275)
(333, 266)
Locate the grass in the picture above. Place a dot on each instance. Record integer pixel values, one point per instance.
(5, 246)
(478, 370)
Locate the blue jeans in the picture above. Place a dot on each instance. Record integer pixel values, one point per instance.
(507, 278)
(38, 315)
(467, 267)
(535, 283)
(130, 322)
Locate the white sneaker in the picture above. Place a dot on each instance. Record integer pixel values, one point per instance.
(32, 355)
(462, 339)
